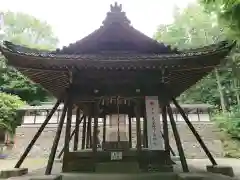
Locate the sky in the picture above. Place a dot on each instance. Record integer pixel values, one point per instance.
(71, 20)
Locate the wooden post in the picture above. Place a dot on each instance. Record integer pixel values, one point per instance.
(36, 136)
(104, 129)
(68, 127)
(56, 139)
(130, 130)
(84, 132)
(73, 132)
(195, 133)
(75, 143)
(145, 135)
(138, 126)
(178, 140)
(95, 129)
(165, 129)
(89, 134)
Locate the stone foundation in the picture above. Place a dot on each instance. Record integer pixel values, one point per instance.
(13, 172)
(43, 177)
(225, 170)
(207, 130)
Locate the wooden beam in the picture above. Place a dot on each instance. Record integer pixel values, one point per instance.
(38, 133)
(104, 129)
(195, 133)
(89, 129)
(73, 132)
(178, 140)
(56, 139)
(67, 131)
(84, 132)
(95, 129)
(77, 123)
(165, 129)
(130, 130)
(138, 128)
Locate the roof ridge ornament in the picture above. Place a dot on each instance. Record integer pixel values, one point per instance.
(116, 15)
(116, 8)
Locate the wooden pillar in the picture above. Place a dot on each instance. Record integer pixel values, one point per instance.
(130, 130)
(138, 126)
(178, 140)
(75, 143)
(89, 129)
(58, 115)
(104, 129)
(84, 132)
(165, 129)
(145, 135)
(195, 133)
(56, 139)
(36, 136)
(73, 132)
(68, 128)
(95, 129)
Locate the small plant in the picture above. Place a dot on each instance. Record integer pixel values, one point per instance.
(8, 116)
(229, 124)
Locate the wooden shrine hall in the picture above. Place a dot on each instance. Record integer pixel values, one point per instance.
(114, 71)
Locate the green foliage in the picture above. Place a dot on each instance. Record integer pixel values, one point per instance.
(8, 116)
(229, 122)
(25, 30)
(228, 12)
(193, 28)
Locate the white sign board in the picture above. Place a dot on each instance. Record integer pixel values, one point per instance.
(116, 156)
(155, 140)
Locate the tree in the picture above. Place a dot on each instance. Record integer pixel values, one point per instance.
(24, 30)
(8, 116)
(194, 28)
(228, 12)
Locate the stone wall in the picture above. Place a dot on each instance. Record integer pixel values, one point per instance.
(207, 130)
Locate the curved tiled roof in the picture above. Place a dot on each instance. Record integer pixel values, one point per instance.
(116, 56)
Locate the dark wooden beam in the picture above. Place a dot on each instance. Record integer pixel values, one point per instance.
(104, 129)
(84, 132)
(165, 129)
(178, 140)
(130, 130)
(145, 132)
(95, 130)
(73, 132)
(138, 128)
(195, 133)
(38, 133)
(56, 139)
(77, 123)
(89, 129)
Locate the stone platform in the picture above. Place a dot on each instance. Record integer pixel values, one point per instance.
(225, 170)
(7, 173)
(43, 177)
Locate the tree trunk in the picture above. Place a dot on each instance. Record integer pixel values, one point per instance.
(220, 90)
(235, 83)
